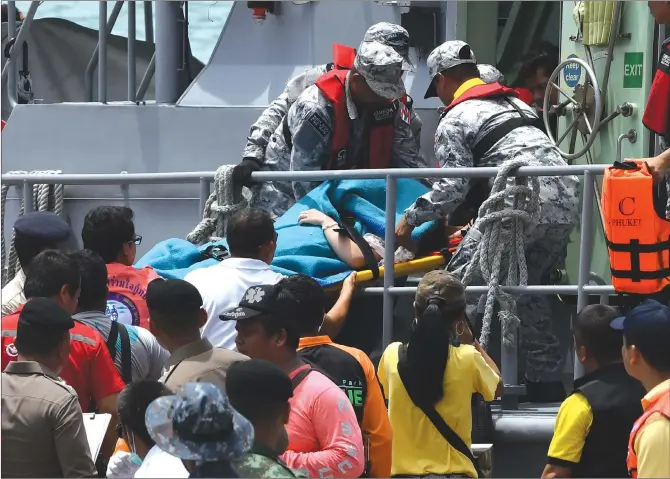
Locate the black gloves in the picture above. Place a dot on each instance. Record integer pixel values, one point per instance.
(242, 172)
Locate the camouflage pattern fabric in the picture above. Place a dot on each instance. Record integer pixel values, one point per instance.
(258, 465)
(259, 136)
(446, 56)
(381, 66)
(490, 74)
(198, 423)
(310, 120)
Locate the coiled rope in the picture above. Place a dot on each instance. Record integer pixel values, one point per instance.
(504, 229)
(45, 198)
(225, 200)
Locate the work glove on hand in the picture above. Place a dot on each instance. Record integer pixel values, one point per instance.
(123, 465)
(242, 172)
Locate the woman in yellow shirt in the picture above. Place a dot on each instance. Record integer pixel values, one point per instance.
(442, 366)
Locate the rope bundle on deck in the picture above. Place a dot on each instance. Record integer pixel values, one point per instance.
(225, 200)
(504, 229)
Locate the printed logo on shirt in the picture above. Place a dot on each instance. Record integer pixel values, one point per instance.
(11, 350)
(354, 391)
(254, 295)
(383, 115)
(122, 309)
(319, 125)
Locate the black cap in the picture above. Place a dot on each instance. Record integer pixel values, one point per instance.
(257, 380)
(173, 296)
(271, 300)
(46, 314)
(43, 225)
(647, 325)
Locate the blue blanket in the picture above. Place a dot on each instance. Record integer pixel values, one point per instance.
(304, 249)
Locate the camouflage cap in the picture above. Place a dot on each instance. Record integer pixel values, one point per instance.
(381, 66)
(444, 287)
(490, 74)
(393, 36)
(446, 56)
(199, 424)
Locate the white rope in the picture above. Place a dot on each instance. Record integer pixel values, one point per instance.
(504, 229)
(45, 198)
(225, 200)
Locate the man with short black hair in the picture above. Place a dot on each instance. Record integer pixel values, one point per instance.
(34, 233)
(89, 370)
(592, 426)
(176, 318)
(136, 353)
(324, 436)
(260, 391)
(43, 432)
(252, 241)
(646, 356)
(110, 232)
(349, 368)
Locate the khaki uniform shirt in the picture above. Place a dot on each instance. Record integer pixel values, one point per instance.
(43, 431)
(12, 294)
(199, 361)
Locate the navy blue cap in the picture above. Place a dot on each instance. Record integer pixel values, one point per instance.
(46, 314)
(43, 225)
(648, 320)
(173, 296)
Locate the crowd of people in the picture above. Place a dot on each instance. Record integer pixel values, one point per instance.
(235, 371)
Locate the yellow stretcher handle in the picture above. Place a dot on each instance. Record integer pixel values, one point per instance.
(419, 265)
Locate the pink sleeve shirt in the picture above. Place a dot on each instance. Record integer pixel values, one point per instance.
(325, 440)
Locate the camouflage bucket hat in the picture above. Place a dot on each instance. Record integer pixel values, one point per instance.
(490, 74)
(447, 55)
(443, 286)
(381, 66)
(393, 36)
(199, 424)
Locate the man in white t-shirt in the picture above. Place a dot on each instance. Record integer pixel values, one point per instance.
(252, 241)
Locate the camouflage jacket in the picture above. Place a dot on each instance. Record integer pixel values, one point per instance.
(461, 128)
(310, 121)
(261, 463)
(271, 118)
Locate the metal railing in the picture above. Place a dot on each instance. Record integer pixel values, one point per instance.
(388, 291)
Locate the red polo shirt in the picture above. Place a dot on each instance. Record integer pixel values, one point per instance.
(89, 370)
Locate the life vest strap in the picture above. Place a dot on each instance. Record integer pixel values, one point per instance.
(640, 275)
(497, 134)
(634, 247)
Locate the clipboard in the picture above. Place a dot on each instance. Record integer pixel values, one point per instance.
(96, 427)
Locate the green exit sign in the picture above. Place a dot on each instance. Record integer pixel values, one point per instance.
(632, 69)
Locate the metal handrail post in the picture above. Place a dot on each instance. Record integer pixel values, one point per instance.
(17, 49)
(168, 51)
(102, 48)
(92, 63)
(27, 197)
(389, 261)
(585, 253)
(149, 22)
(204, 194)
(132, 74)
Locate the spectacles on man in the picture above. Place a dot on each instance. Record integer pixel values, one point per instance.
(137, 240)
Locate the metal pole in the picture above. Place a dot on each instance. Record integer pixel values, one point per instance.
(132, 74)
(168, 49)
(12, 93)
(389, 261)
(204, 194)
(17, 49)
(90, 68)
(585, 253)
(27, 197)
(146, 79)
(102, 42)
(148, 22)
(508, 369)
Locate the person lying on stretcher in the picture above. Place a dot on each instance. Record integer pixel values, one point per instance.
(349, 252)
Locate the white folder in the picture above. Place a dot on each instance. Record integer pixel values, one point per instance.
(96, 427)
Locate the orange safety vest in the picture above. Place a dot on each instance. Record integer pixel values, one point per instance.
(127, 292)
(332, 85)
(343, 56)
(638, 239)
(660, 404)
(489, 90)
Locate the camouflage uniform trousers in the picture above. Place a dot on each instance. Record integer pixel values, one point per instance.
(546, 250)
(258, 465)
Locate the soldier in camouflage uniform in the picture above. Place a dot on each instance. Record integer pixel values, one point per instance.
(260, 390)
(375, 79)
(198, 425)
(386, 33)
(451, 65)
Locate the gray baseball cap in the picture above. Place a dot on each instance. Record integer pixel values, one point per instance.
(394, 36)
(381, 66)
(447, 55)
(490, 74)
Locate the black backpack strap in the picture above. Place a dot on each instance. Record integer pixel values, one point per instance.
(126, 368)
(298, 378)
(111, 339)
(440, 424)
(286, 131)
(347, 222)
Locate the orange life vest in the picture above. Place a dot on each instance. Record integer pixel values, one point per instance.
(343, 56)
(332, 85)
(488, 90)
(657, 112)
(638, 239)
(525, 95)
(660, 404)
